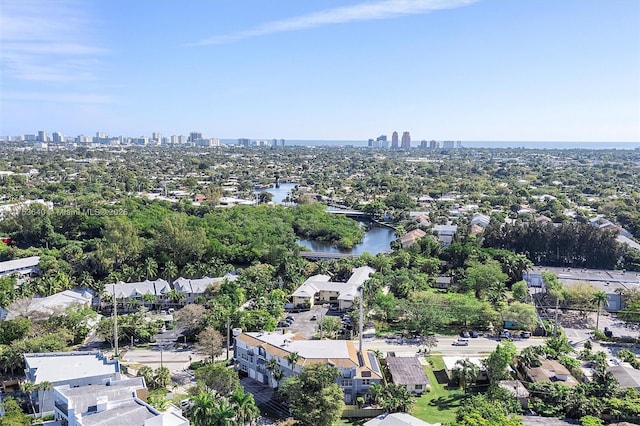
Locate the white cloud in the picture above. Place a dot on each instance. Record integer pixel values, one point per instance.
(385, 9)
(47, 41)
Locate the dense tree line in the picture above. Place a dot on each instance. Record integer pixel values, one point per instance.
(567, 244)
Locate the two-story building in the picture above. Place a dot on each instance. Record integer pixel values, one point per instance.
(194, 287)
(67, 368)
(320, 288)
(357, 370)
(113, 403)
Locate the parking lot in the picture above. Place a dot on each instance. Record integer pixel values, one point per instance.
(305, 325)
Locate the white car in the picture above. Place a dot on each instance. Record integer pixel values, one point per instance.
(461, 342)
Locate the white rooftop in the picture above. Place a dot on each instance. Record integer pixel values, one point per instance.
(305, 348)
(450, 361)
(24, 263)
(347, 291)
(64, 366)
(52, 304)
(397, 419)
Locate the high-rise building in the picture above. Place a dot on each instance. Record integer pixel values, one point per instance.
(42, 136)
(394, 140)
(156, 136)
(433, 144)
(57, 137)
(406, 140)
(195, 136)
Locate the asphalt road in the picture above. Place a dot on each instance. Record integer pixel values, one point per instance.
(478, 346)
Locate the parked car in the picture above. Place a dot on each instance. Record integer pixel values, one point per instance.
(290, 318)
(465, 334)
(314, 318)
(525, 334)
(505, 333)
(461, 342)
(283, 324)
(474, 334)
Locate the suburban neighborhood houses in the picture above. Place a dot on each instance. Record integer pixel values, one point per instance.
(321, 287)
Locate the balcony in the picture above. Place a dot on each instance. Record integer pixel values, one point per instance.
(62, 407)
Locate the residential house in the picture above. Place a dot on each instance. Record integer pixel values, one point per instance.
(194, 287)
(445, 233)
(397, 419)
(443, 282)
(67, 368)
(318, 288)
(44, 307)
(627, 376)
(450, 364)
(480, 220)
(408, 372)
(517, 389)
(25, 267)
(357, 370)
(550, 370)
(136, 290)
(412, 237)
(112, 403)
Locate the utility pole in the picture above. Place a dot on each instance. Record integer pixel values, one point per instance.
(360, 325)
(115, 321)
(555, 322)
(228, 336)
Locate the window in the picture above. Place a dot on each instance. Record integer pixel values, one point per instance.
(347, 383)
(243, 367)
(366, 382)
(247, 357)
(418, 386)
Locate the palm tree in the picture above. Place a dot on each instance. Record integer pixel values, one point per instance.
(150, 267)
(244, 405)
(375, 390)
(467, 372)
(222, 414)
(150, 299)
(600, 299)
(170, 270)
(43, 389)
(530, 357)
(203, 404)
(272, 366)
(293, 358)
(175, 296)
(29, 388)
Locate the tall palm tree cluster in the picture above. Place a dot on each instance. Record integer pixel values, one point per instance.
(237, 409)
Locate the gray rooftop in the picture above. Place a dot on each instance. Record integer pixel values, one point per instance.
(82, 398)
(406, 370)
(137, 289)
(628, 377)
(17, 264)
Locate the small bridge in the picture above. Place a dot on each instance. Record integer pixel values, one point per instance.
(320, 255)
(349, 212)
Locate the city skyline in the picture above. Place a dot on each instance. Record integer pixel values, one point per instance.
(323, 70)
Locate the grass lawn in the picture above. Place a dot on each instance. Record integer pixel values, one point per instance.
(439, 405)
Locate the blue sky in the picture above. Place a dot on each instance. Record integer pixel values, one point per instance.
(518, 70)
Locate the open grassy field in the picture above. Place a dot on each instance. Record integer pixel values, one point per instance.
(439, 405)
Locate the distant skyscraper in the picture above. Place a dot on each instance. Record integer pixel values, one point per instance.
(394, 140)
(42, 136)
(157, 136)
(195, 136)
(57, 137)
(433, 144)
(406, 140)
